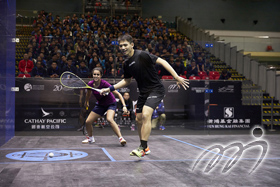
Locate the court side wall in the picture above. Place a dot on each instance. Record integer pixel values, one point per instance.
(7, 70)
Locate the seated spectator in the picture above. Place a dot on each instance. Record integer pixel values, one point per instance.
(179, 49)
(63, 62)
(192, 70)
(182, 59)
(39, 59)
(189, 48)
(54, 59)
(154, 42)
(92, 63)
(129, 106)
(25, 66)
(159, 117)
(189, 59)
(196, 54)
(80, 59)
(39, 70)
(200, 64)
(208, 66)
(44, 62)
(179, 67)
(53, 71)
(70, 67)
(83, 70)
(225, 75)
(113, 73)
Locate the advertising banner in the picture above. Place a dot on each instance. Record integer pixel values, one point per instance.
(233, 117)
(44, 104)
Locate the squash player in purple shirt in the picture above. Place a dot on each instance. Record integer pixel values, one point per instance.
(105, 103)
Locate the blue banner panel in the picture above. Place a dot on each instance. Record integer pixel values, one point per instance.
(7, 70)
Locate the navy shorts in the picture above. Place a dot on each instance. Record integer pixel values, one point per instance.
(100, 109)
(151, 99)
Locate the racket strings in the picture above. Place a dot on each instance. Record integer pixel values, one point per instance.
(70, 80)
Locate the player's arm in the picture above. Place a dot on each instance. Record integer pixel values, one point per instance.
(180, 80)
(121, 84)
(87, 98)
(122, 100)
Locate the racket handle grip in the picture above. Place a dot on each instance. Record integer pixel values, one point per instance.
(87, 108)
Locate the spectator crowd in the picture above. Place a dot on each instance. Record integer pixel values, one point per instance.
(80, 43)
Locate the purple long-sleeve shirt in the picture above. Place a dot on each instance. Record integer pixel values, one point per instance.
(103, 100)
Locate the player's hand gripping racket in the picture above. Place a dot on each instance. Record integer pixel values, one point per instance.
(70, 80)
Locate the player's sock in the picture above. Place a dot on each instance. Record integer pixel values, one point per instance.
(144, 144)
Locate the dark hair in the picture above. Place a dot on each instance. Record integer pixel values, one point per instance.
(125, 37)
(98, 69)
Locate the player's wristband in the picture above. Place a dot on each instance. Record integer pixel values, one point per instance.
(112, 88)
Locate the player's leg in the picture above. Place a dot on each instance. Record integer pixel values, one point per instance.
(139, 127)
(162, 119)
(151, 101)
(140, 104)
(110, 118)
(146, 123)
(90, 119)
(144, 131)
(155, 122)
(139, 123)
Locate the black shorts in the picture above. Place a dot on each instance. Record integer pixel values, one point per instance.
(151, 99)
(100, 109)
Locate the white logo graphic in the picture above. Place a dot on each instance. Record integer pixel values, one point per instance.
(132, 63)
(226, 89)
(45, 113)
(57, 88)
(173, 88)
(61, 113)
(28, 87)
(228, 112)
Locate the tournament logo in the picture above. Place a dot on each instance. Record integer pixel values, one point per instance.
(226, 89)
(43, 155)
(62, 113)
(28, 87)
(132, 63)
(45, 114)
(261, 144)
(173, 88)
(228, 112)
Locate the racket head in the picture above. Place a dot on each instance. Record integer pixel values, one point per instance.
(70, 80)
